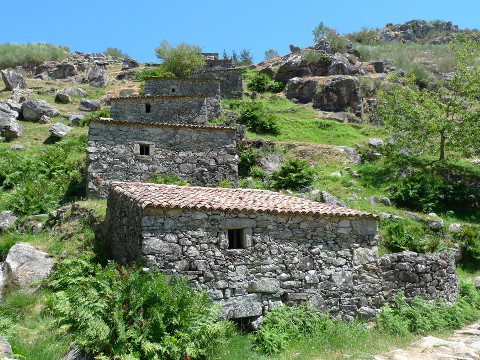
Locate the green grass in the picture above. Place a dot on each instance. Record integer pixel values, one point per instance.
(12, 55)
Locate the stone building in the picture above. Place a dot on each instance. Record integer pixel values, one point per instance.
(207, 87)
(136, 151)
(231, 86)
(254, 250)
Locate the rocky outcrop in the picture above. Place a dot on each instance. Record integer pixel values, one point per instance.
(34, 109)
(420, 30)
(7, 220)
(59, 130)
(9, 126)
(332, 94)
(25, 265)
(5, 348)
(96, 77)
(13, 80)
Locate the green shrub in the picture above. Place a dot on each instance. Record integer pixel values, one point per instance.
(124, 313)
(294, 174)
(276, 87)
(168, 179)
(115, 53)
(256, 119)
(421, 316)
(105, 113)
(259, 83)
(153, 72)
(312, 57)
(469, 240)
(12, 55)
(247, 159)
(365, 36)
(285, 324)
(401, 234)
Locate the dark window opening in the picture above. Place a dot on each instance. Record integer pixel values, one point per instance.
(148, 108)
(236, 239)
(144, 149)
(211, 65)
(173, 90)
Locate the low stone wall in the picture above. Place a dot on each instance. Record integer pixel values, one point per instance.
(210, 88)
(167, 110)
(201, 155)
(429, 276)
(211, 64)
(231, 86)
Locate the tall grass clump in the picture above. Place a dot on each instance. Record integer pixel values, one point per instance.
(119, 312)
(30, 54)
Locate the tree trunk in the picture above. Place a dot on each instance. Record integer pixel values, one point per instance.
(442, 144)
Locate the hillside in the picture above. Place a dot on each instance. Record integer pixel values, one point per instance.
(320, 125)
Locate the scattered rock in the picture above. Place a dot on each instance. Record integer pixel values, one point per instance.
(25, 265)
(59, 130)
(7, 112)
(477, 282)
(89, 105)
(73, 91)
(74, 118)
(353, 154)
(18, 147)
(339, 93)
(7, 220)
(75, 354)
(435, 224)
(13, 80)
(130, 63)
(412, 216)
(328, 198)
(126, 92)
(455, 227)
(15, 106)
(37, 229)
(375, 200)
(5, 348)
(62, 71)
(10, 128)
(375, 142)
(34, 109)
(271, 162)
(294, 49)
(379, 66)
(97, 77)
(62, 97)
(336, 174)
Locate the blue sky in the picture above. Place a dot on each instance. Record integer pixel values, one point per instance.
(138, 27)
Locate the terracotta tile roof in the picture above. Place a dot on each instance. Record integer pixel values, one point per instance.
(137, 97)
(156, 78)
(241, 200)
(161, 125)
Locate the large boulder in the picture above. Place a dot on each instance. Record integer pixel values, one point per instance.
(7, 112)
(302, 89)
(59, 130)
(130, 63)
(34, 109)
(76, 354)
(341, 65)
(72, 91)
(89, 105)
(62, 97)
(97, 77)
(13, 80)
(62, 71)
(10, 128)
(7, 220)
(339, 93)
(25, 265)
(287, 67)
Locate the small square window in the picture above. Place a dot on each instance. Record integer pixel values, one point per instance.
(236, 238)
(148, 108)
(144, 149)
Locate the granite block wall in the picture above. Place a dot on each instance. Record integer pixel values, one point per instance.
(231, 86)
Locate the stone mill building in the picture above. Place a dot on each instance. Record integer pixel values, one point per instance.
(254, 250)
(163, 132)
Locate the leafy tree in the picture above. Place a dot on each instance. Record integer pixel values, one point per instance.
(440, 120)
(235, 57)
(116, 53)
(320, 31)
(271, 54)
(225, 56)
(295, 174)
(180, 60)
(245, 58)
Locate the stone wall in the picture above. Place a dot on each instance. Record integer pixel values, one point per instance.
(163, 109)
(429, 276)
(231, 86)
(211, 64)
(201, 155)
(332, 262)
(210, 88)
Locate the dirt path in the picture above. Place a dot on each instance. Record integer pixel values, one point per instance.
(464, 344)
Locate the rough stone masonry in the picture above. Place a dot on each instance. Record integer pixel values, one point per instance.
(254, 250)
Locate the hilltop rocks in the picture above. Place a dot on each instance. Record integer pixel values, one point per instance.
(130, 64)
(13, 80)
(96, 77)
(25, 265)
(415, 30)
(331, 94)
(34, 109)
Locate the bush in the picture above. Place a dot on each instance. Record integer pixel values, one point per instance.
(105, 113)
(255, 118)
(30, 54)
(316, 57)
(168, 179)
(469, 240)
(248, 159)
(115, 53)
(420, 316)
(294, 174)
(180, 60)
(124, 313)
(158, 71)
(405, 234)
(276, 87)
(365, 36)
(259, 83)
(285, 324)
